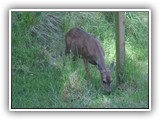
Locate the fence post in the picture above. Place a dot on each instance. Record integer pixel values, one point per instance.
(120, 44)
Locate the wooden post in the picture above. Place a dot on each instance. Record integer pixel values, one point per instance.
(120, 44)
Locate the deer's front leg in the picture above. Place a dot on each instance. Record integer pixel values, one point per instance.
(86, 66)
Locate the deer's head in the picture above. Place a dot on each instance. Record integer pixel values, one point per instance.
(106, 77)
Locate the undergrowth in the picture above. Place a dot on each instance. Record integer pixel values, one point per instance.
(43, 77)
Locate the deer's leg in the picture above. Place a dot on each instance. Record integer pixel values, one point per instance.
(86, 66)
(67, 50)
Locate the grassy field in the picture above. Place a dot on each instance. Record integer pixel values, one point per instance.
(41, 80)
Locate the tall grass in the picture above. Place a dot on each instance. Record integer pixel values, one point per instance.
(42, 77)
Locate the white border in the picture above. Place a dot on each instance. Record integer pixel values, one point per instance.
(135, 10)
(150, 60)
(9, 60)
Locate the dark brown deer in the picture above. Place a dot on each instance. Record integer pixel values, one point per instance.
(81, 44)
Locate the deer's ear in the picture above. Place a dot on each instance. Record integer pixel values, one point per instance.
(111, 66)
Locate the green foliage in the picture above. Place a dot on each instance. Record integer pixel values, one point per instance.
(109, 16)
(42, 77)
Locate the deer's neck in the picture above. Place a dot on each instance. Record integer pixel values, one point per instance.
(101, 64)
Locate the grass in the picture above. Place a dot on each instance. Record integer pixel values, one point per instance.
(42, 77)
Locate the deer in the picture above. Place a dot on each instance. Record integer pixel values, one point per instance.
(81, 44)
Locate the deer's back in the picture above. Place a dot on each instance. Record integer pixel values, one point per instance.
(81, 43)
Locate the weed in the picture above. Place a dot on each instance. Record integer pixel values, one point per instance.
(42, 77)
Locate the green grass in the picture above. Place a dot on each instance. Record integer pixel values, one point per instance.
(42, 77)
